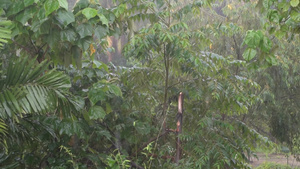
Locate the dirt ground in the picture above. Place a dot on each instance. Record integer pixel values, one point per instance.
(275, 158)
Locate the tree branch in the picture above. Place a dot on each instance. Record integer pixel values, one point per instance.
(25, 48)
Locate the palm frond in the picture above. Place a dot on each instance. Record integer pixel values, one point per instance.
(3, 130)
(5, 33)
(29, 88)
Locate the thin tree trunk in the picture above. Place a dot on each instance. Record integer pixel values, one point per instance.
(179, 128)
(165, 106)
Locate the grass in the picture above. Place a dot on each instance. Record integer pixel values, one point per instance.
(271, 165)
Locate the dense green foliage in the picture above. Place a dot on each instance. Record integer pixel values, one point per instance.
(61, 107)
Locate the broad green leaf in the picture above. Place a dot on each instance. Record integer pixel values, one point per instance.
(5, 3)
(84, 43)
(96, 112)
(101, 31)
(85, 30)
(89, 13)
(96, 64)
(63, 4)
(252, 39)
(41, 14)
(119, 10)
(115, 90)
(51, 6)
(249, 54)
(68, 35)
(15, 8)
(82, 4)
(96, 94)
(36, 24)
(24, 16)
(294, 3)
(103, 19)
(65, 17)
(100, 65)
(28, 2)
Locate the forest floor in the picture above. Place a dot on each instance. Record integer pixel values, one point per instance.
(275, 158)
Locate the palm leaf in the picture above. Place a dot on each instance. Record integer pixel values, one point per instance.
(27, 88)
(5, 33)
(3, 132)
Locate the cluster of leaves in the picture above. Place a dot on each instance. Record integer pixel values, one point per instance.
(215, 139)
(283, 17)
(254, 40)
(273, 62)
(43, 122)
(29, 92)
(94, 115)
(171, 55)
(279, 82)
(47, 29)
(276, 53)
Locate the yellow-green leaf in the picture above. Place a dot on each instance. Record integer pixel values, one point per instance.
(89, 12)
(294, 3)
